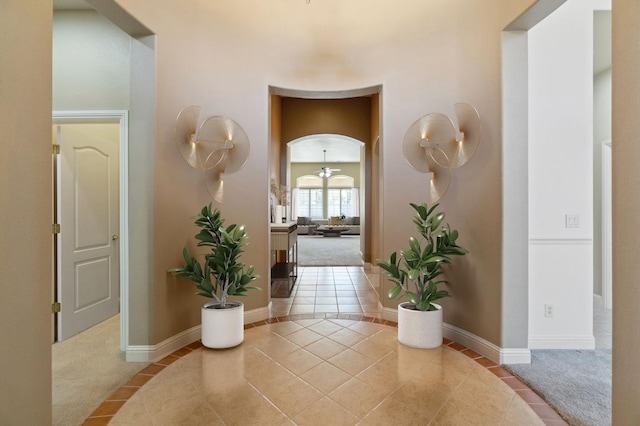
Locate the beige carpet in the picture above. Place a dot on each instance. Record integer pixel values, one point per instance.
(329, 251)
(87, 368)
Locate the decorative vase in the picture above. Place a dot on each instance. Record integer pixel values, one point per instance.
(279, 214)
(419, 329)
(222, 327)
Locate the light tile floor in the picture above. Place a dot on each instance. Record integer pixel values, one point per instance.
(325, 363)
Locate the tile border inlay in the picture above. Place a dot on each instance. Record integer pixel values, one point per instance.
(109, 407)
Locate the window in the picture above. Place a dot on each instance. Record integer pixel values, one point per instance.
(309, 198)
(339, 195)
(339, 201)
(310, 202)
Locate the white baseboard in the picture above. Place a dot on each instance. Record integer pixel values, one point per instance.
(483, 347)
(515, 356)
(562, 342)
(152, 353)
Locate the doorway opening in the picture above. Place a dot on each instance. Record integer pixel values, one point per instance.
(90, 208)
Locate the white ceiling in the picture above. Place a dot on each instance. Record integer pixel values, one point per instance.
(70, 4)
(340, 149)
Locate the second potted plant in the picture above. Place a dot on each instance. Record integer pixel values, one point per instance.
(221, 275)
(414, 274)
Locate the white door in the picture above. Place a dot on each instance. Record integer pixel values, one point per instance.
(88, 214)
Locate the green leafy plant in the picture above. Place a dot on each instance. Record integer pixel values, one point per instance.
(221, 275)
(419, 265)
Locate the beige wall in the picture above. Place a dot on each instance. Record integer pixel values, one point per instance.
(626, 210)
(25, 212)
(225, 56)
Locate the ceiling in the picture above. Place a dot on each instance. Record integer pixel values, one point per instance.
(340, 149)
(70, 4)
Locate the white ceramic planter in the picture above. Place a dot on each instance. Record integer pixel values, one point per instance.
(222, 328)
(420, 329)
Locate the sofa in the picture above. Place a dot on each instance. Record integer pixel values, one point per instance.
(307, 226)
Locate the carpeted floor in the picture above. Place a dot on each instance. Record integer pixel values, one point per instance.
(329, 251)
(577, 383)
(87, 368)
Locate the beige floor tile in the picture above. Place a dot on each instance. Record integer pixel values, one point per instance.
(325, 377)
(366, 328)
(133, 412)
(308, 322)
(244, 406)
(194, 411)
(480, 391)
(292, 396)
(304, 337)
(284, 328)
(457, 412)
(395, 411)
(347, 293)
(325, 412)
(343, 322)
(375, 347)
(346, 337)
(358, 397)
(305, 300)
(326, 328)
(326, 309)
(350, 309)
(299, 361)
(326, 300)
(351, 361)
(325, 348)
(382, 373)
(519, 413)
(325, 293)
(267, 378)
(275, 345)
(302, 309)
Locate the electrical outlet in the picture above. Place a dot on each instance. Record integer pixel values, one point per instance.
(548, 311)
(572, 221)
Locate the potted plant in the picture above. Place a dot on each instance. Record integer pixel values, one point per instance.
(415, 273)
(220, 276)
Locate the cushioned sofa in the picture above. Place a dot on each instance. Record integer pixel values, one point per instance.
(307, 226)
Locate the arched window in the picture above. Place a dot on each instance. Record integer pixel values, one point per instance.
(307, 197)
(342, 197)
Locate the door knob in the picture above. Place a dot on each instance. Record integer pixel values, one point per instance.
(114, 237)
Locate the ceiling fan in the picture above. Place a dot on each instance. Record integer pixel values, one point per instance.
(324, 170)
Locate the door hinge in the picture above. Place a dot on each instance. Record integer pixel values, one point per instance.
(55, 307)
(55, 229)
(56, 149)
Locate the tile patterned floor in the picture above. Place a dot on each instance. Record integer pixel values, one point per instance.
(329, 366)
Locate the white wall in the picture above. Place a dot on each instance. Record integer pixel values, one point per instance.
(561, 176)
(90, 62)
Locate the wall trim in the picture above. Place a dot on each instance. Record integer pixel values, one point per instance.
(551, 240)
(562, 342)
(152, 353)
(598, 301)
(478, 344)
